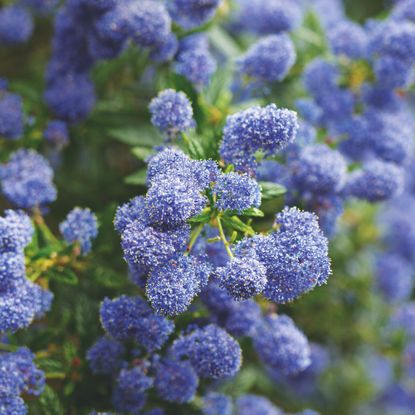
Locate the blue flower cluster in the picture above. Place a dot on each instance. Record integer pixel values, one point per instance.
(11, 113)
(80, 226)
(16, 25)
(26, 180)
(21, 301)
(18, 376)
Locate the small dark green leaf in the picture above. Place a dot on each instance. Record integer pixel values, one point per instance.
(138, 178)
(143, 136)
(272, 190)
(64, 276)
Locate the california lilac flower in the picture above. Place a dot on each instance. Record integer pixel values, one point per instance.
(71, 98)
(26, 180)
(11, 115)
(148, 21)
(211, 351)
(269, 129)
(130, 317)
(130, 212)
(217, 404)
(172, 287)
(376, 182)
(105, 356)
(281, 345)
(319, 169)
(392, 72)
(16, 25)
(171, 202)
(255, 405)
(295, 256)
(80, 226)
(243, 277)
(166, 50)
(404, 10)
(19, 375)
(269, 59)
(171, 112)
(192, 13)
(268, 16)
(176, 381)
(197, 65)
(348, 38)
(16, 231)
(56, 134)
(236, 192)
(242, 318)
(148, 247)
(394, 277)
(129, 394)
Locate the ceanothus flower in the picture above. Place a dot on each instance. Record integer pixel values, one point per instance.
(131, 317)
(11, 115)
(105, 356)
(16, 231)
(295, 256)
(176, 381)
(56, 134)
(19, 374)
(404, 10)
(71, 97)
(133, 210)
(394, 277)
(148, 22)
(171, 112)
(192, 13)
(392, 72)
(348, 38)
(211, 351)
(12, 269)
(269, 59)
(42, 300)
(149, 247)
(377, 181)
(268, 129)
(242, 318)
(217, 404)
(166, 50)
(243, 277)
(255, 405)
(26, 179)
(10, 404)
(265, 17)
(319, 169)
(197, 65)
(172, 201)
(16, 25)
(172, 287)
(281, 346)
(129, 393)
(403, 319)
(80, 226)
(236, 192)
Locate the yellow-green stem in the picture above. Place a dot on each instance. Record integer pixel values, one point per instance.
(223, 238)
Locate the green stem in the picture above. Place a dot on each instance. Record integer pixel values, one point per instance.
(55, 375)
(195, 234)
(223, 238)
(8, 347)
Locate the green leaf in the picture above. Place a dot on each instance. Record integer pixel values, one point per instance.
(204, 217)
(235, 223)
(138, 178)
(272, 190)
(140, 135)
(46, 252)
(47, 404)
(253, 212)
(142, 153)
(222, 41)
(65, 276)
